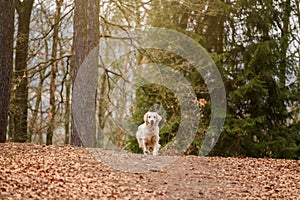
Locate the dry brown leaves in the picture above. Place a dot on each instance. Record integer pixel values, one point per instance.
(47, 172)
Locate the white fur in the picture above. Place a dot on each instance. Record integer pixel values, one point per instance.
(147, 134)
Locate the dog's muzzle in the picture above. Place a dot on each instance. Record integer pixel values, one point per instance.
(152, 122)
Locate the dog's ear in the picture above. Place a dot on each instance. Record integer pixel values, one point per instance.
(159, 118)
(146, 119)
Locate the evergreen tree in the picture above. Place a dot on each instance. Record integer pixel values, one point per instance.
(258, 69)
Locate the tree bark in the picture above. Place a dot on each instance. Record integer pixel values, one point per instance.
(79, 53)
(67, 111)
(86, 38)
(19, 109)
(6, 61)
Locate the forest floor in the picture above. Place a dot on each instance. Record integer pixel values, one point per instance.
(50, 172)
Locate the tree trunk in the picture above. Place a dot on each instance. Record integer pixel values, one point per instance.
(93, 37)
(67, 111)
(284, 43)
(51, 115)
(33, 123)
(79, 53)
(19, 108)
(6, 61)
(86, 38)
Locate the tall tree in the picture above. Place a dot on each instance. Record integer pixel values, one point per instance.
(6, 61)
(19, 108)
(86, 38)
(258, 70)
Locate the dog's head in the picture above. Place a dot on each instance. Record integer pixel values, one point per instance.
(152, 118)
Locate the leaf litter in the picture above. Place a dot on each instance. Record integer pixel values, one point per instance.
(30, 171)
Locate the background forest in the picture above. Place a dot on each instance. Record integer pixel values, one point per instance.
(255, 45)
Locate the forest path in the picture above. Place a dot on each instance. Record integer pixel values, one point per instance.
(49, 172)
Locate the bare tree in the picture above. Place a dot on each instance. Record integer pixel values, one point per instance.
(49, 71)
(6, 61)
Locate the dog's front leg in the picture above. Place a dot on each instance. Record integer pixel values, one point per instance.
(144, 147)
(140, 141)
(156, 149)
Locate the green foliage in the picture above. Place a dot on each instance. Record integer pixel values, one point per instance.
(258, 122)
(256, 67)
(250, 42)
(132, 145)
(156, 98)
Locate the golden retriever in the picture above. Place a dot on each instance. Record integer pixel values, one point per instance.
(147, 134)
